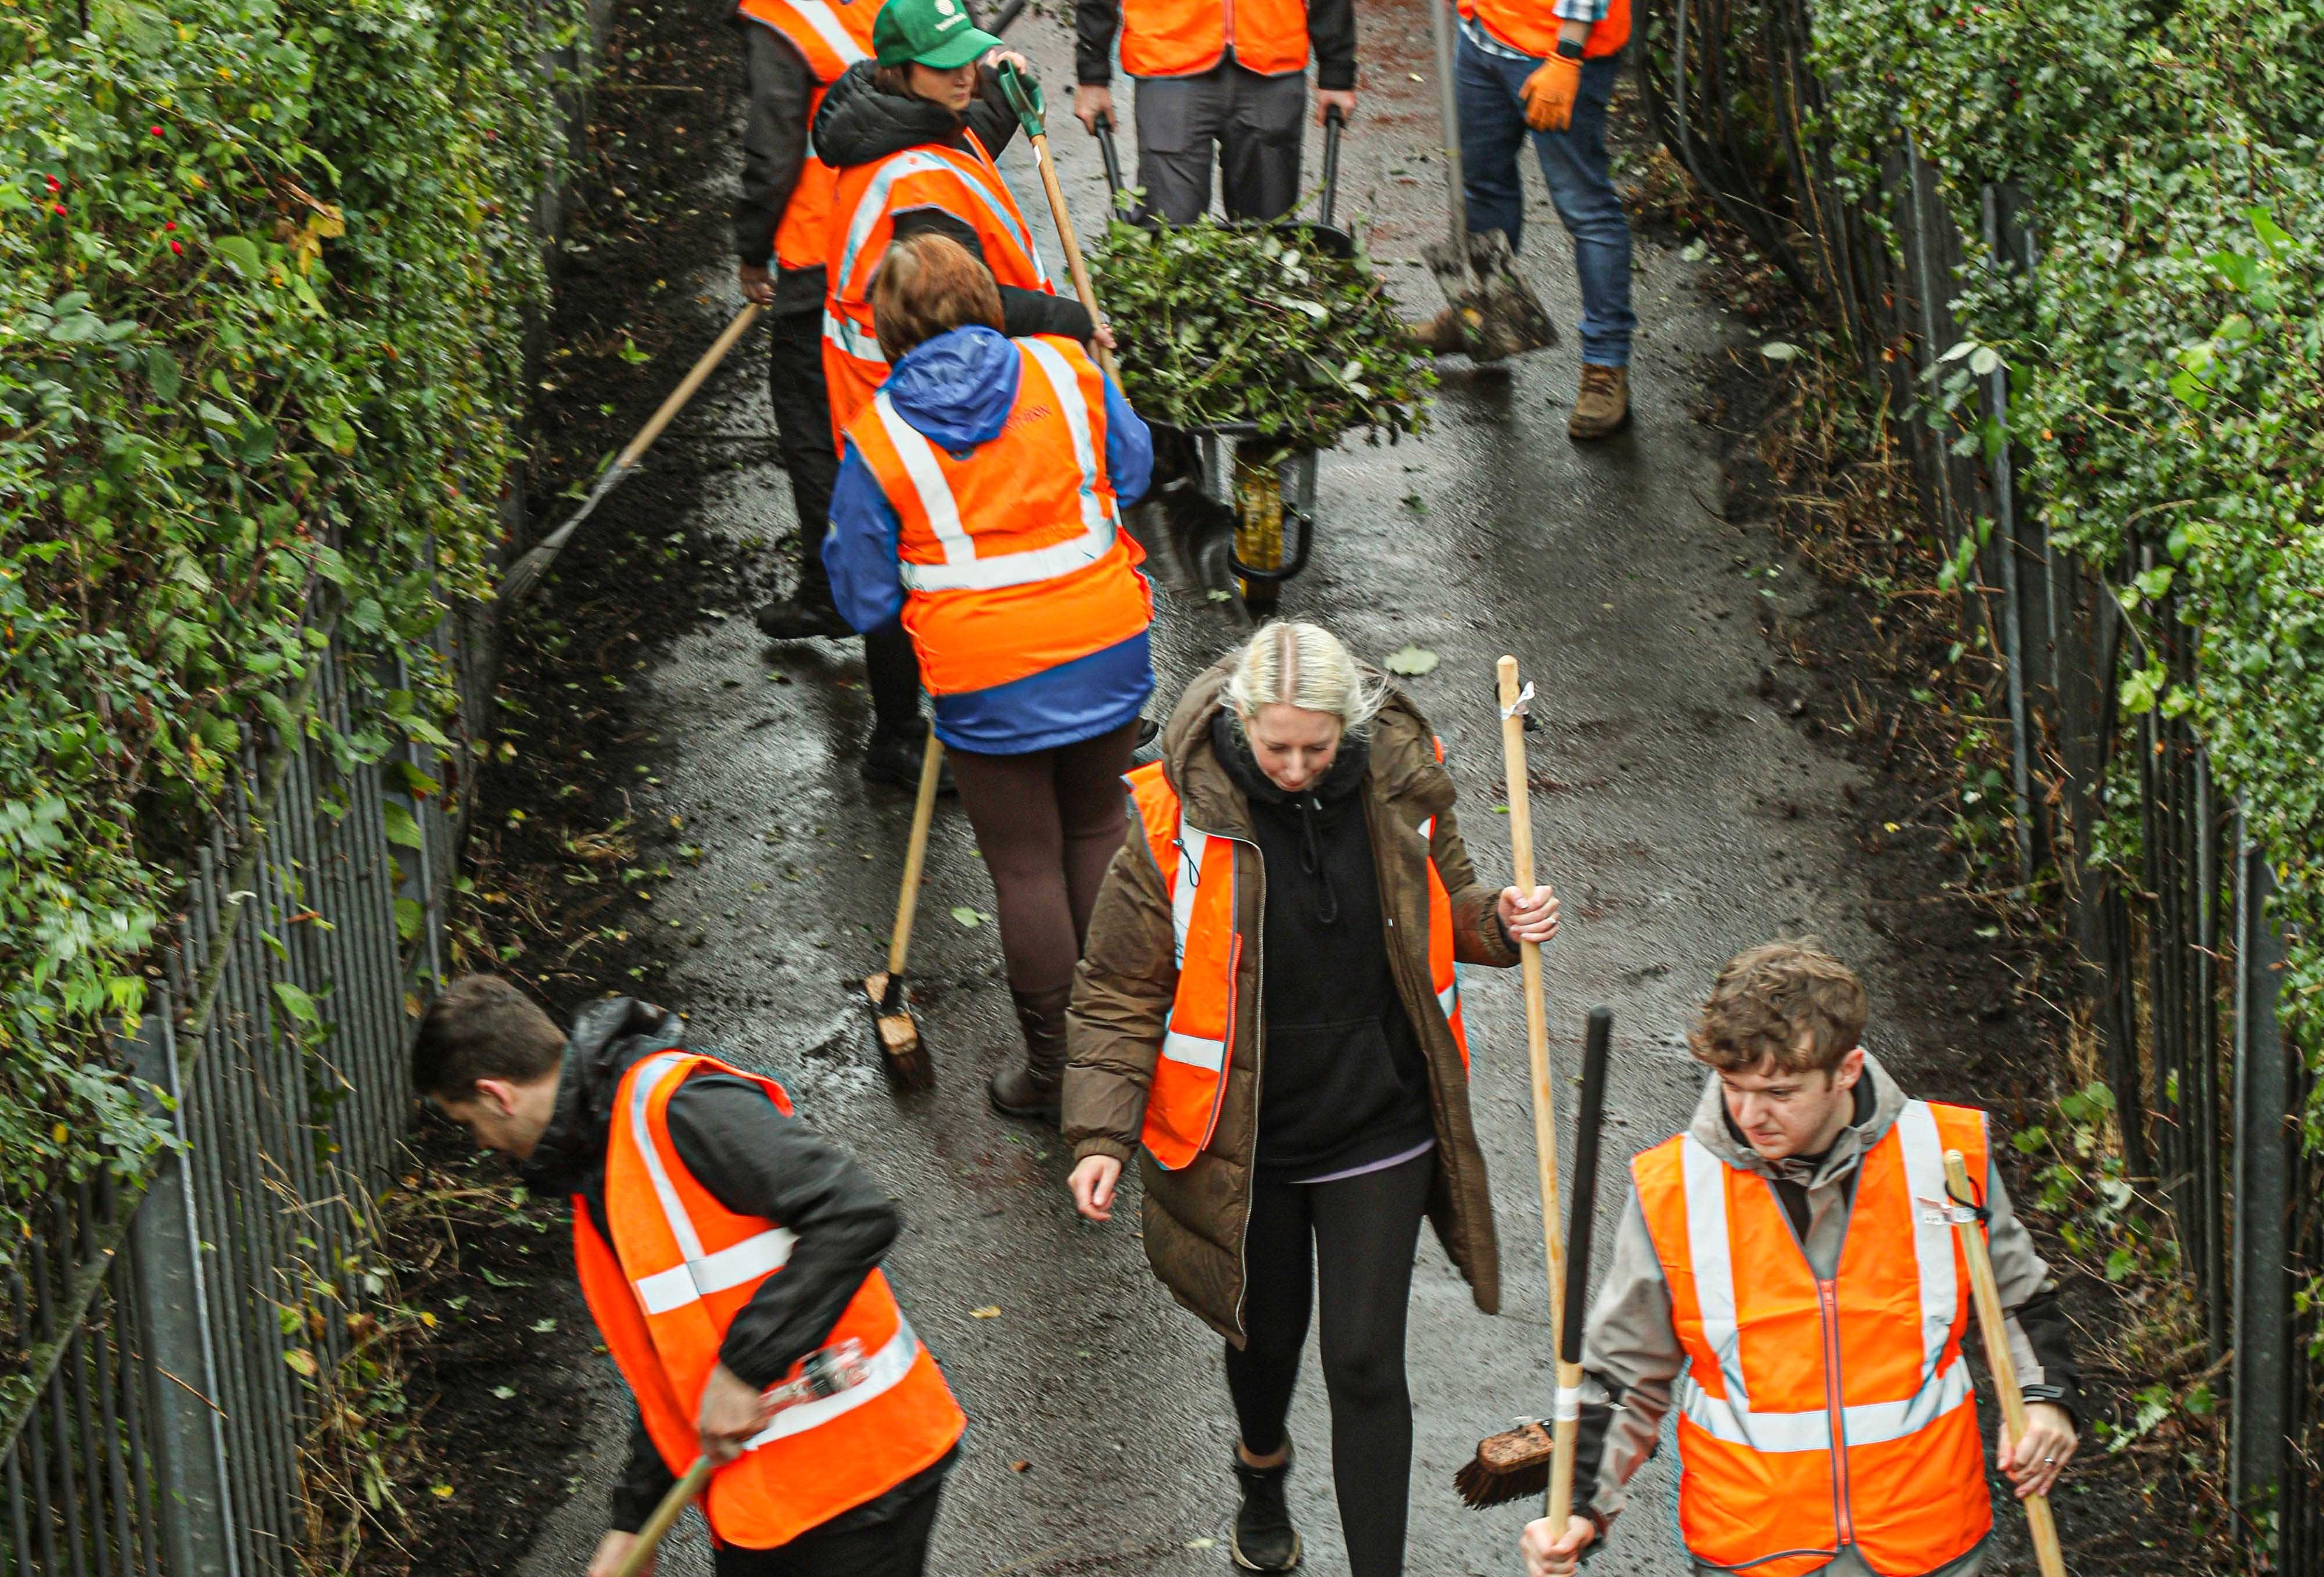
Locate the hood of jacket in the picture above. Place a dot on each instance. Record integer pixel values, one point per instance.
(958, 388)
(858, 124)
(607, 1040)
(1711, 1128)
(1400, 747)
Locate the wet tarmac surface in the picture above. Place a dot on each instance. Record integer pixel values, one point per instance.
(1666, 812)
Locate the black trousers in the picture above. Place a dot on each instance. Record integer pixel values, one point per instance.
(895, 1546)
(1352, 1242)
(803, 436)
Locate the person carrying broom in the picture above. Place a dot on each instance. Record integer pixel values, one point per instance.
(1787, 1276)
(981, 496)
(1294, 1072)
(731, 1259)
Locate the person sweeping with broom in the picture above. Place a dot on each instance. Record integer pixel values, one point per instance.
(1294, 1072)
(980, 494)
(1787, 1276)
(731, 1259)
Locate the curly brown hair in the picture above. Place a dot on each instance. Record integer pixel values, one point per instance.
(1772, 997)
(929, 284)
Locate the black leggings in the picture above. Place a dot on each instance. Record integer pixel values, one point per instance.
(1365, 1229)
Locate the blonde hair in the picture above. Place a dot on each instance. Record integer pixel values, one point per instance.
(1296, 664)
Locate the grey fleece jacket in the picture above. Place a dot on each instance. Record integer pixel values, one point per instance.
(1631, 1354)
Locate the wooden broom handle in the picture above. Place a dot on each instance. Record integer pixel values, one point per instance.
(641, 1553)
(2039, 1521)
(1073, 264)
(637, 446)
(1536, 1007)
(916, 854)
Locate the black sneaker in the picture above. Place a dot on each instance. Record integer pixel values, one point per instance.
(1264, 1538)
(893, 757)
(790, 620)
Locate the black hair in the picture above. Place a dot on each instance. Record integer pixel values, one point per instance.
(483, 1027)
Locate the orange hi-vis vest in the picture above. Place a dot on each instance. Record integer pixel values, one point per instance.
(1818, 1414)
(830, 35)
(1012, 560)
(965, 184)
(1182, 38)
(680, 1267)
(1532, 26)
(1182, 1103)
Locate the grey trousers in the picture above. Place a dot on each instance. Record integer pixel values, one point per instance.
(1253, 120)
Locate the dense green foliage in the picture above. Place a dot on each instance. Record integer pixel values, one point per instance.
(264, 268)
(1219, 325)
(2168, 348)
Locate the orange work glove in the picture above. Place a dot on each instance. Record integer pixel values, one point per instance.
(1549, 94)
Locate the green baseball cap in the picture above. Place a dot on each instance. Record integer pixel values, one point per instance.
(935, 33)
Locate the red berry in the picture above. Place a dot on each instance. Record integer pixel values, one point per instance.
(177, 246)
(157, 131)
(58, 207)
(171, 225)
(53, 182)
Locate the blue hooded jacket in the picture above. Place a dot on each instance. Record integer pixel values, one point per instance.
(957, 390)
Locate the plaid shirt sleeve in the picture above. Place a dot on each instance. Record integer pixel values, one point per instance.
(1592, 11)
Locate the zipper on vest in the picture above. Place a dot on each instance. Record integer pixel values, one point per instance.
(1828, 1301)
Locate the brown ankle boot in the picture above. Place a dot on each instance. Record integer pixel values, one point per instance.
(1031, 1088)
(1603, 406)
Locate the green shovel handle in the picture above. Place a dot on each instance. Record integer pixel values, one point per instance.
(1024, 97)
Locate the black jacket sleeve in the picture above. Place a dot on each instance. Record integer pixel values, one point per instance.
(1022, 311)
(774, 139)
(756, 1161)
(2044, 1320)
(1095, 22)
(1331, 33)
(645, 1479)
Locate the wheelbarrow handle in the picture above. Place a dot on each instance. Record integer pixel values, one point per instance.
(1111, 154)
(1335, 120)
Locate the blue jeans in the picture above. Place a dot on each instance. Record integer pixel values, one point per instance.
(1580, 183)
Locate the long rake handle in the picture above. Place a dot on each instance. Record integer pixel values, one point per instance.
(2039, 1521)
(915, 855)
(1545, 1109)
(1448, 107)
(668, 411)
(641, 1553)
(1072, 244)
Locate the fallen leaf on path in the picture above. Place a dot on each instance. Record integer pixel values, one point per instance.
(990, 1312)
(1411, 661)
(542, 1327)
(967, 915)
(1201, 1543)
(1019, 1467)
(1779, 350)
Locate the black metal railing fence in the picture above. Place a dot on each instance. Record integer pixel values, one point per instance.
(2180, 955)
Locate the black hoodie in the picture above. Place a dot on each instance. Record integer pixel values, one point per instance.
(858, 125)
(755, 1161)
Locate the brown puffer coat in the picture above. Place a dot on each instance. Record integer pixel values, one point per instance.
(1195, 1217)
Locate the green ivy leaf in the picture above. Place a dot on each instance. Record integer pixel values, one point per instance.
(402, 830)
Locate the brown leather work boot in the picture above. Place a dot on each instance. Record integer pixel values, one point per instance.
(1439, 336)
(1032, 1088)
(1603, 406)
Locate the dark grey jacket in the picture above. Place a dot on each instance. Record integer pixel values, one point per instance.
(775, 151)
(755, 1161)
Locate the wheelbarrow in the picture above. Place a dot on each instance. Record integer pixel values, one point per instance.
(1250, 522)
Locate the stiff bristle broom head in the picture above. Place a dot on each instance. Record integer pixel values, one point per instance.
(1507, 1466)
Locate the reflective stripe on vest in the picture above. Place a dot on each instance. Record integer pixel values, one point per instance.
(678, 1268)
(983, 180)
(1445, 974)
(1771, 1480)
(817, 29)
(962, 569)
